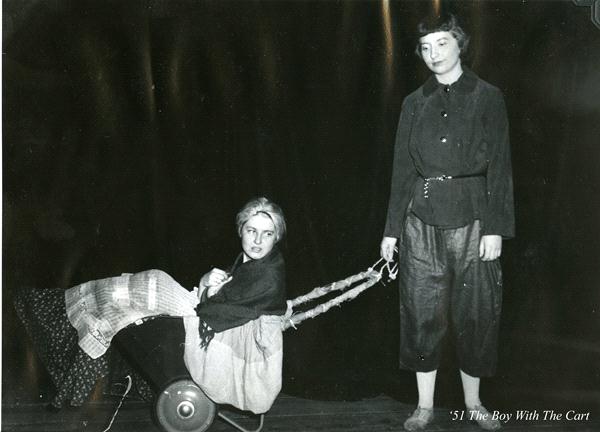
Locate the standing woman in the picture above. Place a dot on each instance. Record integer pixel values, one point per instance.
(451, 204)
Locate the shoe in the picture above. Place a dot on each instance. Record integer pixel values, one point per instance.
(419, 419)
(483, 418)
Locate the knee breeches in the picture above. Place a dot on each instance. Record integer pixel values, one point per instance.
(444, 283)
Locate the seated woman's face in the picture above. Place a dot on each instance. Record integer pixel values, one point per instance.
(258, 237)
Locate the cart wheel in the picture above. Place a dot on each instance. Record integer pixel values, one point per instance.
(182, 407)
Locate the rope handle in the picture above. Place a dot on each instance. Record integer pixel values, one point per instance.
(392, 270)
(369, 278)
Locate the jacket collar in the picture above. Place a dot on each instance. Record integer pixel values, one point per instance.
(465, 84)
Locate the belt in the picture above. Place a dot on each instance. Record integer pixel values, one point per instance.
(443, 178)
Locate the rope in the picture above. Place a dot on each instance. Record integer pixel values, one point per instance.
(292, 320)
(370, 278)
(120, 403)
(326, 289)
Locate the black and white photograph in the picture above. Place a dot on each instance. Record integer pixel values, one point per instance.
(300, 215)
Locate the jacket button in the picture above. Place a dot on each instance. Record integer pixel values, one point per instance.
(447, 88)
(444, 114)
(443, 139)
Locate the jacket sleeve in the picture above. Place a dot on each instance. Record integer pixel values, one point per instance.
(498, 218)
(404, 173)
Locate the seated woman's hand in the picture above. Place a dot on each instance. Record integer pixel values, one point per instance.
(214, 280)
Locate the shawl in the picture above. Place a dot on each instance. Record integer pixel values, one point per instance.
(257, 288)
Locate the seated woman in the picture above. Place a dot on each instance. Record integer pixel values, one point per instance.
(72, 329)
(255, 284)
(239, 317)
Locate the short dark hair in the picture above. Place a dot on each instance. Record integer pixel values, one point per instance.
(442, 23)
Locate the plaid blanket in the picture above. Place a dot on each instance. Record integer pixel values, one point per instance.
(99, 309)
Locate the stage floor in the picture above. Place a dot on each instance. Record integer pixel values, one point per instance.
(381, 413)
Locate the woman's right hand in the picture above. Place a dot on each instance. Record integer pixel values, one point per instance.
(387, 248)
(214, 280)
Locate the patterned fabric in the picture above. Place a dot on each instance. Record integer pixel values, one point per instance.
(99, 309)
(73, 372)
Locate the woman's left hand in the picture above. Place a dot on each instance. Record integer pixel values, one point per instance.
(490, 247)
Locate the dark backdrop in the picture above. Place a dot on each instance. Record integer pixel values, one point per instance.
(133, 131)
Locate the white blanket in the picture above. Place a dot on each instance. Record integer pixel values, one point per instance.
(99, 309)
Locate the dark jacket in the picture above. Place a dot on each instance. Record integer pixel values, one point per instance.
(257, 288)
(456, 130)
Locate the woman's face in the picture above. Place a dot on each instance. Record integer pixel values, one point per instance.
(440, 52)
(258, 237)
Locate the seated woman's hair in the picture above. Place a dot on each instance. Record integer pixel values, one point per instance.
(266, 207)
(442, 23)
